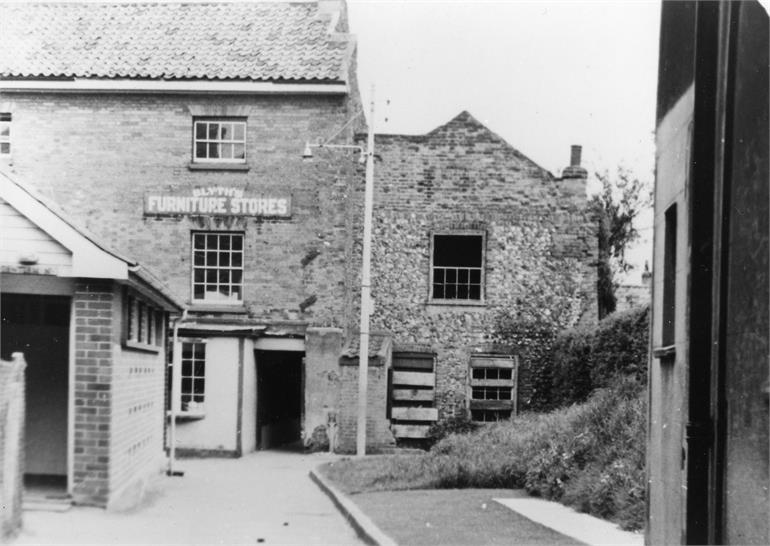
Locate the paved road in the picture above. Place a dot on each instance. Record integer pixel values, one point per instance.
(264, 497)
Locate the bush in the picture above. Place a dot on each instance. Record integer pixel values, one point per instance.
(584, 359)
(457, 424)
(589, 456)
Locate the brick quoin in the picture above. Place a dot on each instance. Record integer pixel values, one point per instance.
(92, 391)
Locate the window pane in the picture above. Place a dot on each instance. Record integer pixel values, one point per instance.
(457, 250)
(5, 116)
(438, 292)
(226, 131)
(438, 275)
(450, 291)
(186, 368)
(236, 292)
(198, 240)
(238, 152)
(199, 384)
(236, 259)
(198, 275)
(211, 241)
(199, 258)
(186, 350)
(5, 130)
(224, 277)
(224, 242)
(5, 148)
(451, 276)
(462, 292)
(237, 276)
(237, 242)
(200, 150)
(505, 374)
(211, 276)
(199, 368)
(211, 259)
(475, 276)
(224, 259)
(186, 385)
(200, 130)
(200, 351)
(213, 151)
(239, 131)
(198, 292)
(474, 293)
(213, 131)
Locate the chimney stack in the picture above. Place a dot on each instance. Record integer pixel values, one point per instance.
(575, 170)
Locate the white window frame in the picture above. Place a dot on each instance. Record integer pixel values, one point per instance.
(481, 270)
(196, 403)
(5, 139)
(218, 141)
(206, 267)
(494, 367)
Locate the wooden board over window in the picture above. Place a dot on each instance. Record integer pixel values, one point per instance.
(411, 400)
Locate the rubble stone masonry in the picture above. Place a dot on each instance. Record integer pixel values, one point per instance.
(540, 244)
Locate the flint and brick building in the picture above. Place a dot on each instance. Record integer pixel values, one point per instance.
(175, 132)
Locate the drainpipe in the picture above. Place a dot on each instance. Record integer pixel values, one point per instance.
(175, 363)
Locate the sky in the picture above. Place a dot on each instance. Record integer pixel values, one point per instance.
(543, 75)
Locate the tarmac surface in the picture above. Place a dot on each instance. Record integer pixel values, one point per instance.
(263, 497)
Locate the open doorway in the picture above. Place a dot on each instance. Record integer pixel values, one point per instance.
(38, 326)
(279, 399)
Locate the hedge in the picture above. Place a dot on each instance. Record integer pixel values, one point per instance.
(586, 358)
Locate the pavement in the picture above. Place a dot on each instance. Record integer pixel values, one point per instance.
(565, 520)
(263, 497)
(274, 497)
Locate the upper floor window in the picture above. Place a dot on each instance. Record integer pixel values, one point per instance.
(219, 141)
(217, 267)
(5, 133)
(457, 267)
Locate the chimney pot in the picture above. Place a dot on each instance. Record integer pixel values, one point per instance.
(575, 154)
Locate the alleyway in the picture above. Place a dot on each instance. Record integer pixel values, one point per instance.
(264, 497)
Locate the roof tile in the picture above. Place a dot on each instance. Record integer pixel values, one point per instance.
(262, 41)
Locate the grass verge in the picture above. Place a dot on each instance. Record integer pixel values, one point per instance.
(589, 456)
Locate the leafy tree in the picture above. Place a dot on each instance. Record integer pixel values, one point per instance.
(616, 206)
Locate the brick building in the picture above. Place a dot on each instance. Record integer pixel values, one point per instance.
(92, 327)
(176, 131)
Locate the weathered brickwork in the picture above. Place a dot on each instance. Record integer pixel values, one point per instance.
(103, 153)
(378, 435)
(95, 325)
(539, 243)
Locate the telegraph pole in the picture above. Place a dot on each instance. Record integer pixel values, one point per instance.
(366, 301)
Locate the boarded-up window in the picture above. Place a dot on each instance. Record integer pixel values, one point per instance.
(493, 385)
(412, 394)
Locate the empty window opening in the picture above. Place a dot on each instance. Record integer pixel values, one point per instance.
(457, 267)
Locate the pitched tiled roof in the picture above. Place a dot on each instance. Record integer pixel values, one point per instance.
(262, 41)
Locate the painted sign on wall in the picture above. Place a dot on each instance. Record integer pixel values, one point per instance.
(216, 201)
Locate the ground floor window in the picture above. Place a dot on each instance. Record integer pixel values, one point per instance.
(492, 388)
(193, 386)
